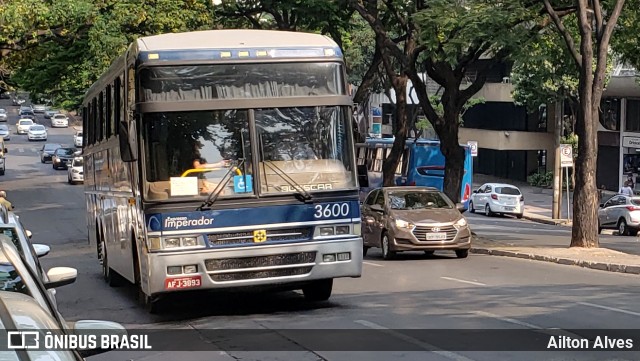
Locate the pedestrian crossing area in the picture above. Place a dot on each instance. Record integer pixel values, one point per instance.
(28, 150)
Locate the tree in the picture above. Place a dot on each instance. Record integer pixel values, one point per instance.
(444, 38)
(596, 23)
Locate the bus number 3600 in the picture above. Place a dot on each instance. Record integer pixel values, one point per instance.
(331, 210)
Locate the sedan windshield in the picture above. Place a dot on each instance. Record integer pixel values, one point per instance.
(65, 151)
(51, 147)
(4, 127)
(418, 200)
(26, 122)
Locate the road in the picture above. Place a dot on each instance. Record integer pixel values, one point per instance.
(521, 232)
(414, 291)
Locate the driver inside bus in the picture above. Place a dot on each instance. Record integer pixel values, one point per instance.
(199, 162)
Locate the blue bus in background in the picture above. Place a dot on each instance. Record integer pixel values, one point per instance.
(422, 164)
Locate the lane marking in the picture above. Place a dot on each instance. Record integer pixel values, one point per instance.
(372, 264)
(507, 319)
(20, 150)
(610, 308)
(463, 281)
(411, 340)
(553, 331)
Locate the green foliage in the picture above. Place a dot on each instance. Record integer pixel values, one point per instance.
(80, 38)
(540, 179)
(625, 41)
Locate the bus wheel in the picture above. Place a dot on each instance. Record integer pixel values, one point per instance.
(152, 304)
(318, 290)
(112, 278)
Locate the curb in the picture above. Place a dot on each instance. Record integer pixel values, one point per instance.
(552, 222)
(610, 267)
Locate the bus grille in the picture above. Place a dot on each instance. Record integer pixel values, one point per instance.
(284, 259)
(273, 235)
(250, 275)
(421, 233)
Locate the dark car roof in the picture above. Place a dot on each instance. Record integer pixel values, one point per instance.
(52, 145)
(410, 188)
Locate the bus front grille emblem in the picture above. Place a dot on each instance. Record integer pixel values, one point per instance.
(259, 236)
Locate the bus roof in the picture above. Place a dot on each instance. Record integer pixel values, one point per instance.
(233, 39)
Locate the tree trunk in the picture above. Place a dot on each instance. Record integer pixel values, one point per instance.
(454, 157)
(393, 160)
(584, 232)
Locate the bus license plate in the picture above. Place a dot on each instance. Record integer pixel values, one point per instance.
(182, 282)
(436, 236)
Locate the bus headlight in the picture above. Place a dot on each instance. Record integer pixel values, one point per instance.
(175, 243)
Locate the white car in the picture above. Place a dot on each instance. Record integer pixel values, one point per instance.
(76, 171)
(3, 115)
(77, 139)
(497, 198)
(60, 120)
(24, 125)
(37, 132)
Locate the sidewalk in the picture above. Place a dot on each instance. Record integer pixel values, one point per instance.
(538, 201)
(538, 204)
(603, 259)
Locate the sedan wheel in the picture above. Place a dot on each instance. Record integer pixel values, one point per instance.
(471, 207)
(622, 228)
(387, 253)
(487, 211)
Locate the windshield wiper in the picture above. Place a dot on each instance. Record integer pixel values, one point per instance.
(215, 193)
(302, 194)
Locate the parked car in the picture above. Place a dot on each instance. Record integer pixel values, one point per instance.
(14, 230)
(77, 138)
(76, 171)
(413, 218)
(4, 132)
(24, 125)
(37, 132)
(622, 213)
(497, 198)
(46, 153)
(60, 120)
(62, 157)
(3, 115)
(28, 307)
(39, 108)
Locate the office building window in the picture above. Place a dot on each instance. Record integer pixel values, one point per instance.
(633, 115)
(610, 113)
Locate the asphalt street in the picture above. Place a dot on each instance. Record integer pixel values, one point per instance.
(414, 291)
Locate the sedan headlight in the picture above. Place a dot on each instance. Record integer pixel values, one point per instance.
(403, 224)
(461, 222)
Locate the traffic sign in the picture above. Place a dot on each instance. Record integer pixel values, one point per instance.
(566, 155)
(474, 147)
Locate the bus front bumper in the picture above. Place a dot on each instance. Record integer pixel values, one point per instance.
(267, 265)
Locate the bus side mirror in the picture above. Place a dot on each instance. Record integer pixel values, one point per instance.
(127, 152)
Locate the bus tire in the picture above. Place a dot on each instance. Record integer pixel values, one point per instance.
(152, 304)
(365, 249)
(319, 290)
(112, 278)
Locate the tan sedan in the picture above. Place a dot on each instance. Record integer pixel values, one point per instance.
(398, 219)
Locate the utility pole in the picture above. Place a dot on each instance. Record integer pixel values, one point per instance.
(557, 169)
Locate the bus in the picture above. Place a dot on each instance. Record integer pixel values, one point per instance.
(223, 159)
(422, 164)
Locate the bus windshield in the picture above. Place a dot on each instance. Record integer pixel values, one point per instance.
(309, 145)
